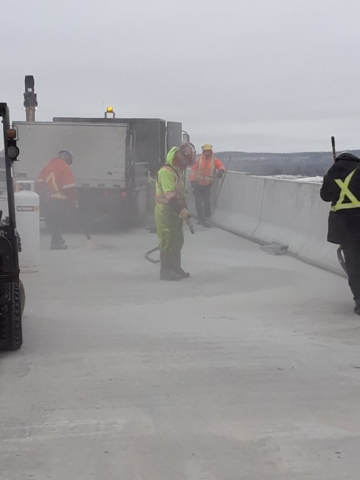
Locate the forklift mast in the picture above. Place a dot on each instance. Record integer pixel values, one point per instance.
(11, 152)
(12, 293)
(30, 98)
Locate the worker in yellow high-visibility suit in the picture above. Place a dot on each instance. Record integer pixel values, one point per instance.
(171, 211)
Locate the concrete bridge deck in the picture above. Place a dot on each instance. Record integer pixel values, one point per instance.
(248, 370)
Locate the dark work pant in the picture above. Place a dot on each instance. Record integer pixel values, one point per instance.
(352, 260)
(202, 201)
(56, 211)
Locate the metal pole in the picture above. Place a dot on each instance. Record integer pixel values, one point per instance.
(222, 182)
(30, 98)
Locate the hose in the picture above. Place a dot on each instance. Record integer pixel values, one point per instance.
(147, 255)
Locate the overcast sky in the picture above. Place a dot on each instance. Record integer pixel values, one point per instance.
(251, 75)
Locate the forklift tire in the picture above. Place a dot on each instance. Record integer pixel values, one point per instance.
(10, 317)
(22, 297)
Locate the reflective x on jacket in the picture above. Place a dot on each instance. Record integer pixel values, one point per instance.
(203, 170)
(341, 187)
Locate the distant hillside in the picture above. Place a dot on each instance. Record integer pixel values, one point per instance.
(302, 163)
(309, 164)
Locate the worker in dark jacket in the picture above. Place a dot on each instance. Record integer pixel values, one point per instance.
(341, 187)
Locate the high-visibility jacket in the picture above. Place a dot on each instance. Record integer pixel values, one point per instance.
(170, 200)
(203, 171)
(341, 187)
(57, 180)
(170, 183)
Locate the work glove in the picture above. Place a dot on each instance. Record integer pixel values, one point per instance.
(220, 173)
(185, 215)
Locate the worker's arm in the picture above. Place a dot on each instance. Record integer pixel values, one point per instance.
(219, 165)
(40, 185)
(68, 182)
(329, 191)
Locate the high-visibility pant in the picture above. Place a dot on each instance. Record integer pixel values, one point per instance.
(169, 227)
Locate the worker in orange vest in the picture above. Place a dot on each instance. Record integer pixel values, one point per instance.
(56, 187)
(202, 177)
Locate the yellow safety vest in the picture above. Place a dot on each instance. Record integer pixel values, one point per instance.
(345, 193)
(164, 198)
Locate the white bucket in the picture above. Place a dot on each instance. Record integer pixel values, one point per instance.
(28, 226)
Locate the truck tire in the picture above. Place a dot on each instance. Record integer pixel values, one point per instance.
(10, 317)
(22, 297)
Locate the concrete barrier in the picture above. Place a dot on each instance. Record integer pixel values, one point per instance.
(239, 204)
(277, 211)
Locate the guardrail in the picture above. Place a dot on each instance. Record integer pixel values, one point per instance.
(283, 212)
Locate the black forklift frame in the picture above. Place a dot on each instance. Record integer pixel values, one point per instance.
(9, 257)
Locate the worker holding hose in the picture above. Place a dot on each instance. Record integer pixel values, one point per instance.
(171, 211)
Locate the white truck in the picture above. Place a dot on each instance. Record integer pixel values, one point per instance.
(112, 186)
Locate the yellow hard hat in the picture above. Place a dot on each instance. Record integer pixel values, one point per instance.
(207, 146)
(110, 109)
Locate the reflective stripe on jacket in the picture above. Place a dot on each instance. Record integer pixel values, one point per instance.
(203, 170)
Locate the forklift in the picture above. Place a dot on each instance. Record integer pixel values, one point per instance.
(12, 294)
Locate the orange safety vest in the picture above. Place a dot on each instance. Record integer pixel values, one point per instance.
(203, 170)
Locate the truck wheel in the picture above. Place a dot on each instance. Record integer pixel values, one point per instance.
(22, 297)
(10, 317)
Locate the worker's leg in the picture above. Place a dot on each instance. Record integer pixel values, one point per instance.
(207, 207)
(177, 255)
(56, 220)
(165, 221)
(199, 202)
(352, 261)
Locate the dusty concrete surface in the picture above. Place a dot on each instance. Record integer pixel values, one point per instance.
(248, 370)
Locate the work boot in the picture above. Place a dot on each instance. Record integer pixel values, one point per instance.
(58, 246)
(166, 271)
(177, 265)
(57, 242)
(357, 307)
(180, 271)
(206, 224)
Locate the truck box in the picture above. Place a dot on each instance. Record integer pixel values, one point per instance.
(100, 151)
(151, 138)
(112, 188)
